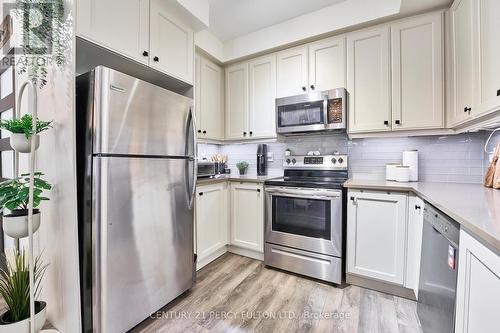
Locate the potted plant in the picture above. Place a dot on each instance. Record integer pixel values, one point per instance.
(22, 131)
(15, 290)
(14, 194)
(242, 166)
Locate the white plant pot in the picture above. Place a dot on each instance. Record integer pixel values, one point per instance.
(21, 144)
(24, 325)
(16, 226)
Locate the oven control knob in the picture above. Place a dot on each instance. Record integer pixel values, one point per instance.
(287, 161)
(341, 160)
(334, 160)
(294, 161)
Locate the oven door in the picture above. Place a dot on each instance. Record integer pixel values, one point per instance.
(306, 219)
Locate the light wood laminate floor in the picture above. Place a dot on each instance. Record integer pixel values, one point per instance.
(239, 294)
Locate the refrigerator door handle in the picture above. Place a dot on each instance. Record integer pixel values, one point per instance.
(191, 123)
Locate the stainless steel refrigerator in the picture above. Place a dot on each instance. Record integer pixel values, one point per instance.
(136, 170)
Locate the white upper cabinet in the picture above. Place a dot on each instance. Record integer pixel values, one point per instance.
(171, 43)
(376, 235)
(209, 105)
(124, 30)
(487, 56)
(262, 95)
(327, 64)
(478, 287)
(368, 80)
(237, 101)
(417, 72)
(461, 62)
(291, 73)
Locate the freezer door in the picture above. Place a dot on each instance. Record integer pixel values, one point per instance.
(143, 239)
(131, 116)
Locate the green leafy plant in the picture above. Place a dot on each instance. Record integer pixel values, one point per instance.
(14, 193)
(15, 285)
(242, 165)
(24, 125)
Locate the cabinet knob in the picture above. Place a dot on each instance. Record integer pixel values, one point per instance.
(244, 133)
(201, 193)
(258, 190)
(498, 92)
(304, 88)
(251, 133)
(312, 86)
(417, 207)
(204, 132)
(199, 131)
(156, 59)
(145, 53)
(397, 122)
(386, 122)
(467, 109)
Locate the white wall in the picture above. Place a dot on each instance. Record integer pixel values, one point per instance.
(57, 236)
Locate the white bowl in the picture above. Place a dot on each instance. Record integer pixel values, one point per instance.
(24, 325)
(21, 144)
(16, 226)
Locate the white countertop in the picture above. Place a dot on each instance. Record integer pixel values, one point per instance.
(473, 206)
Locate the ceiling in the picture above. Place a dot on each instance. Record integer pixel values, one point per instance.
(233, 18)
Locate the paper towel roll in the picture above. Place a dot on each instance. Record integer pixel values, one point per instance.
(410, 158)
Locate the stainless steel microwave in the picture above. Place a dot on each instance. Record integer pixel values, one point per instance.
(317, 111)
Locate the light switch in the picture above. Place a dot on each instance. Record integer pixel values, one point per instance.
(270, 156)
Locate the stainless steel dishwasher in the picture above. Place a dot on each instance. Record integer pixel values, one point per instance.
(438, 272)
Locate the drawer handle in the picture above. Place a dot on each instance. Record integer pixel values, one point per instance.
(386, 122)
(145, 53)
(467, 109)
(156, 59)
(498, 92)
(417, 207)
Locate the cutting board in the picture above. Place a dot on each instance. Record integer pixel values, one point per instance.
(496, 179)
(490, 173)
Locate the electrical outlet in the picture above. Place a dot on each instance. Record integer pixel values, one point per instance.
(270, 156)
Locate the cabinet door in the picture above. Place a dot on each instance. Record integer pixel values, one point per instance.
(327, 64)
(171, 43)
(123, 27)
(376, 235)
(247, 216)
(368, 80)
(461, 16)
(211, 219)
(417, 73)
(478, 287)
(487, 56)
(414, 246)
(237, 101)
(262, 95)
(292, 71)
(212, 120)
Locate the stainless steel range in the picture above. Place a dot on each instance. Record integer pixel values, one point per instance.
(305, 217)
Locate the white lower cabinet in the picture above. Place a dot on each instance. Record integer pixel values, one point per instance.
(478, 288)
(247, 216)
(376, 235)
(211, 221)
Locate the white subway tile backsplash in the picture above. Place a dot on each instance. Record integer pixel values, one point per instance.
(456, 158)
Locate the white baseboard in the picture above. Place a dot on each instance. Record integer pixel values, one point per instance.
(246, 253)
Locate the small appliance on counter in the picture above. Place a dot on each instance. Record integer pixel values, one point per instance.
(262, 160)
(206, 169)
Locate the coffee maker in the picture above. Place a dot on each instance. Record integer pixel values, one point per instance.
(262, 160)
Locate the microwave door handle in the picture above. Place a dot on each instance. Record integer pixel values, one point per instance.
(325, 110)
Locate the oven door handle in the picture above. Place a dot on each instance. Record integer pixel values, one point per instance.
(306, 194)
